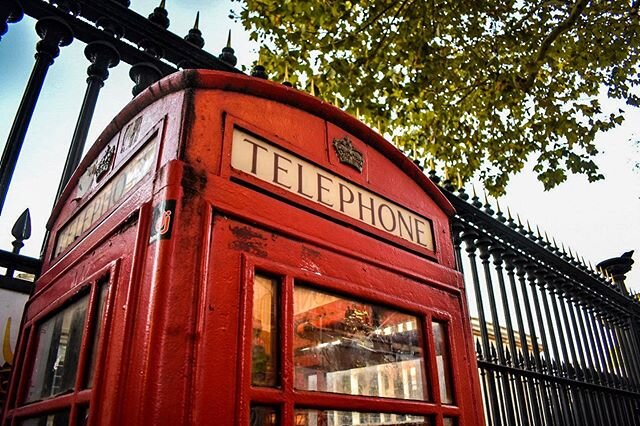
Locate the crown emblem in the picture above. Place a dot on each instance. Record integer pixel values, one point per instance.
(103, 165)
(348, 154)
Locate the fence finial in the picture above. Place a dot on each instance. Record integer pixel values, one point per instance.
(228, 54)
(287, 83)
(258, 69)
(461, 192)
(487, 205)
(21, 231)
(499, 214)
(14, 13)
(312, 90)
(195, 35)
(160, 16)
(475, 201)
(22, 228)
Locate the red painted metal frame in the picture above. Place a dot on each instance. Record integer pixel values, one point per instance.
(175, 343)
(287, 397)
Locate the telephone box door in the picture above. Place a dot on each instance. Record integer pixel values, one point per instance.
(327, 338)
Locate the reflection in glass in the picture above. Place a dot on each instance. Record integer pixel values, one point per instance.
(449, 421)
(83, 416)
(348, 418)
(262, 415)
(102, 293)
(264, 356)
(346, 346)
(55, 366)
(56, 419)
(442, 362)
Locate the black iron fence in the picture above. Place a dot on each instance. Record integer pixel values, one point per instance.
(557, 342)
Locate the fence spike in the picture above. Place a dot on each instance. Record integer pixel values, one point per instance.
(287, 83)
(582, 262)
(462, 193)
(475, 201)
(21, 230)
(510, 222)
(195, 35)
(258, 69)
(433, 175)
(228, 54)
(529, 232)
(494, 354)
(499, 214)
(487, 205)
(160, 16)
(478, 348)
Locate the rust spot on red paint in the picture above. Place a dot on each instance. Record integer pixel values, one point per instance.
(310, 252)
(193, 182)
(248, 240)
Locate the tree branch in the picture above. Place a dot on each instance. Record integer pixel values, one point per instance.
(565, 25)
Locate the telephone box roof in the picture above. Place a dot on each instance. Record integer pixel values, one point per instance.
(233, 82)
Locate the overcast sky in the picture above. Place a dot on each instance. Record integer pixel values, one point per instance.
(598, 220)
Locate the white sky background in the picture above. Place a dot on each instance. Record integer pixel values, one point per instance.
(597, 220)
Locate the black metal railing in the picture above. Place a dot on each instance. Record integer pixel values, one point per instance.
(557, 341)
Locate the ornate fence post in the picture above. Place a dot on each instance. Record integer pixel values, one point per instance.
(55, 33)
(10, 12)
(102, 56)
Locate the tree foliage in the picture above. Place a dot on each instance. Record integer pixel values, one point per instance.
(477, 86)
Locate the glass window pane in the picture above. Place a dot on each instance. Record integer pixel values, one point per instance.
(57, 353)
(102, 294)
(262, 415)
(442, 361)
(449, 421)
(83, 416)
(346, 346)
(56, 419)
(348, 418)
(264, 356)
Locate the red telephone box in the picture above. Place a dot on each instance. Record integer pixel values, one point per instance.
(232, 251)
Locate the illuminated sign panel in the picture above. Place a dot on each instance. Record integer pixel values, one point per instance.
(107, 197)
(278, 167)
